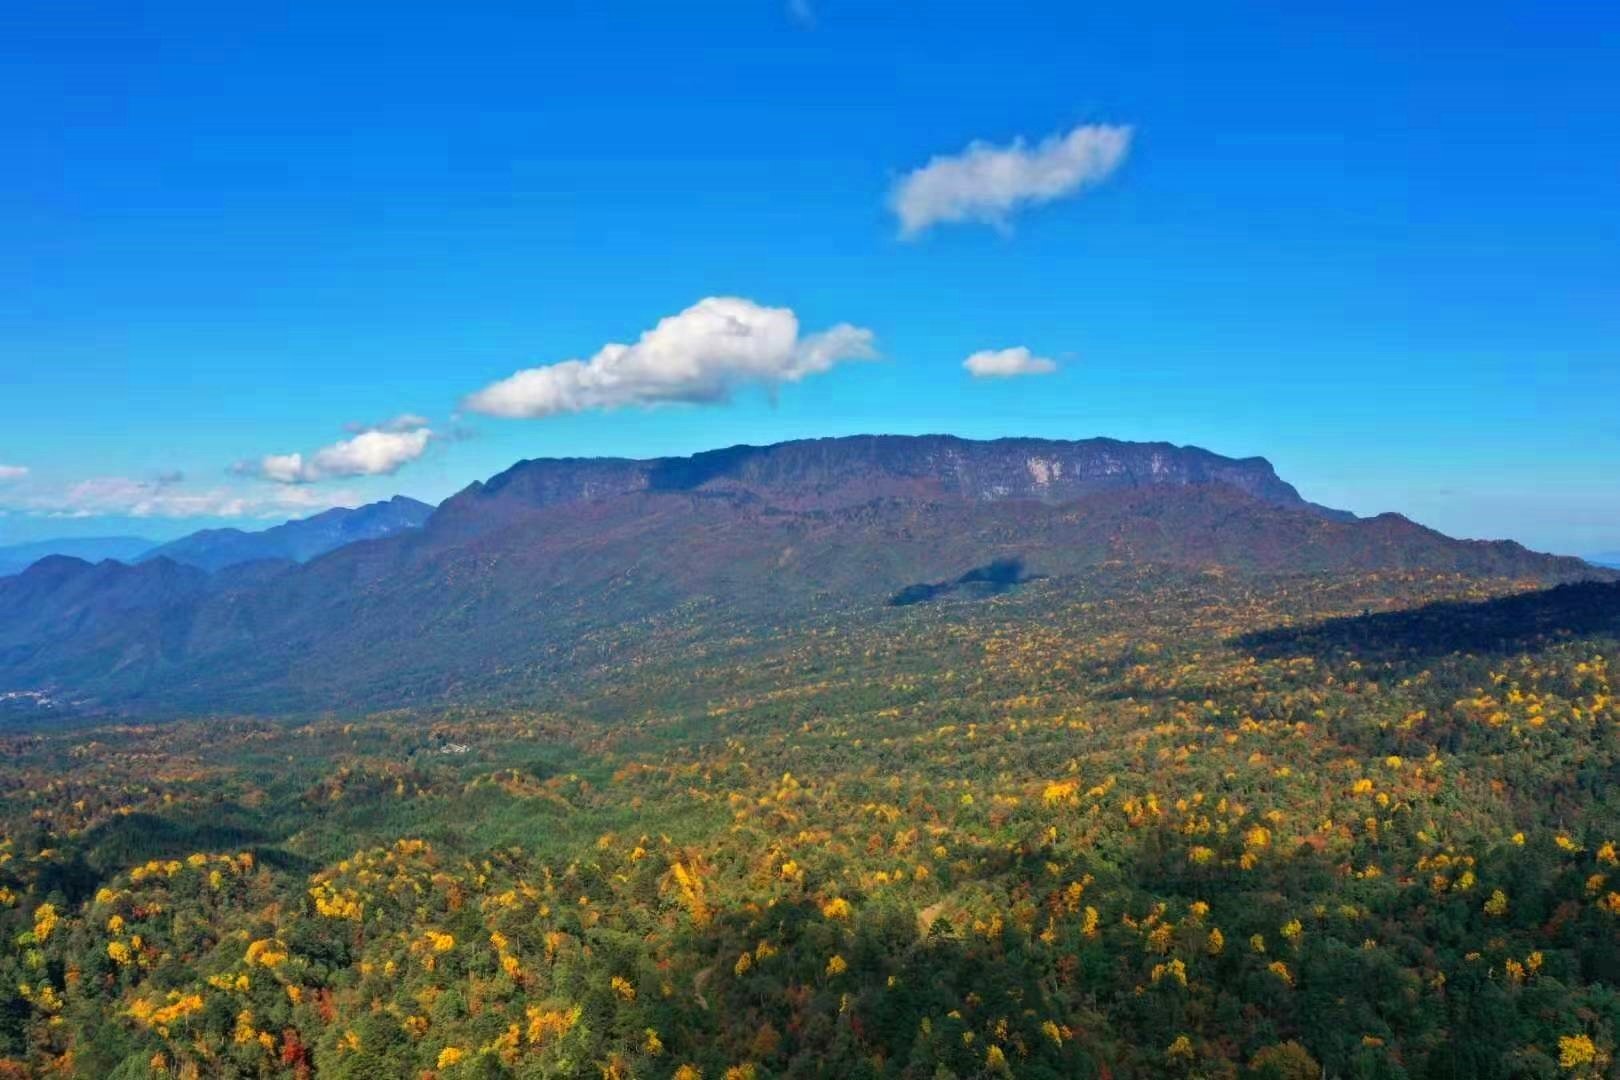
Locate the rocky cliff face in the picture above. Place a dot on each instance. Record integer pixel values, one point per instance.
(830, 473)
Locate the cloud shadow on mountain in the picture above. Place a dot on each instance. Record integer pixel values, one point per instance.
(991, 579)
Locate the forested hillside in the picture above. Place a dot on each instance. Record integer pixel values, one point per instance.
(505, 588)
(1132, 822)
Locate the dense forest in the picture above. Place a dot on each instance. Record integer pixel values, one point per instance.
(1127, 823)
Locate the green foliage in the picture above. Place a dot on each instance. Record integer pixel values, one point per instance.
(1130, 824)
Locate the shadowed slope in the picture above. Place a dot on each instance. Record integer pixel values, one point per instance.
(1504, 625)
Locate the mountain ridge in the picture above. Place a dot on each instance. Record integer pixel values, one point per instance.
(15, 558)
(504, 582)
(838, 470)
(1048, 466)
(298, 540)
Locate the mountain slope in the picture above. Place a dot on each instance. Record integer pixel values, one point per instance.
(120, 621)
(300, 541)
(16, 558)
(549, 565)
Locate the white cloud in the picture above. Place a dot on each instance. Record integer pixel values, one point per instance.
(987, 184)
(13, 472)
(165, 498)
(405, 422)
(402, 422)
(802, 12)
(372, 453)
(698, 356)
(282, 468)
(381, 451)
(1002, 363)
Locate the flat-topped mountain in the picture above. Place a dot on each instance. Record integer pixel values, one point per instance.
(505, 580)
(825, 473)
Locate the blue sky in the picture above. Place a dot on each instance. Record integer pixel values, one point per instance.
(1379, 245)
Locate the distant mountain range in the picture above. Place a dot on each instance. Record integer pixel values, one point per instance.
(500, 587)
(216, 549)
(15, 558)
(297, 541)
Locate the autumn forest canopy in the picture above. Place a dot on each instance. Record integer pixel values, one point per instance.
(1128, 822)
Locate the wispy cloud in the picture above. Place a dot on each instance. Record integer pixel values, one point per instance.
(13, 472)
(698, 356)
(1005, 363)
(402, 422)
(381, 450)
(988, 184)
(167, 497)
(802, 11)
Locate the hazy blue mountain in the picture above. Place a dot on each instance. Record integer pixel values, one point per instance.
(16, 558)
(299, 541)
